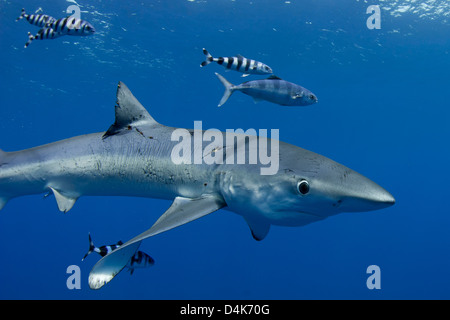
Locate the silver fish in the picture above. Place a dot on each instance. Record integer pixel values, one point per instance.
(272, 89)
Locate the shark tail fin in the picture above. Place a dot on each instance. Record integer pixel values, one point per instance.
(229, 89)
(91, 247)
(3, 198)
(22, 15)
(209, 58)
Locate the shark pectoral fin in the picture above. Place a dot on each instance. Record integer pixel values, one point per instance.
(182, 211)
(110, 265)
(259, 229)
(64, 202)
(129, 112)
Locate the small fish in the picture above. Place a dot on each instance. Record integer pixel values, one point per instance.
(239, 63)
(272, 89)
(44, 33)
(139, 260)
(71, 26)
(54, 28)
(103, 250)
(39, 20)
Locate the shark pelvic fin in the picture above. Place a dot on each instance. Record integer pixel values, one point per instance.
(182, 211)
(129, 112)
(259, 229)
(64, 202)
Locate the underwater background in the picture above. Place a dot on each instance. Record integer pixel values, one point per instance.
(383, 111)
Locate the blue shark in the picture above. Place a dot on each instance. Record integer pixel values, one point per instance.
(133, 158)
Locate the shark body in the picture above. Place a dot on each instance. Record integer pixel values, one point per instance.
(133, 158)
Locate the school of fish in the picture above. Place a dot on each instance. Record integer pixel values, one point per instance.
(52, 28)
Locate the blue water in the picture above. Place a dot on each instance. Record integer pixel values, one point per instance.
(383, 111)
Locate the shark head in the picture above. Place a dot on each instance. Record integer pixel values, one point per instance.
(307, 187)
(336, 188)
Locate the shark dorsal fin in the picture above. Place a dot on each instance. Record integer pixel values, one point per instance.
(274, 77)
(129, 112)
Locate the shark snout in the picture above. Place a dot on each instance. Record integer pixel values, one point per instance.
(362, 194)
(375, 200)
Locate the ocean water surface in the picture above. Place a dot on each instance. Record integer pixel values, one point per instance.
(383, 111)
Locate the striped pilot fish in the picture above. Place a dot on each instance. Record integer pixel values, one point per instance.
(53, 28)
(272, 89)
(44, 33)
(138, 261)
(39, 20)
(239, 63)
(71, 26)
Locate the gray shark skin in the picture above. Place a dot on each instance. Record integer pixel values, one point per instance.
(133, 158)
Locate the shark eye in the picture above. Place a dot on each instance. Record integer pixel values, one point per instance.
(312, 97)
(303, 187)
